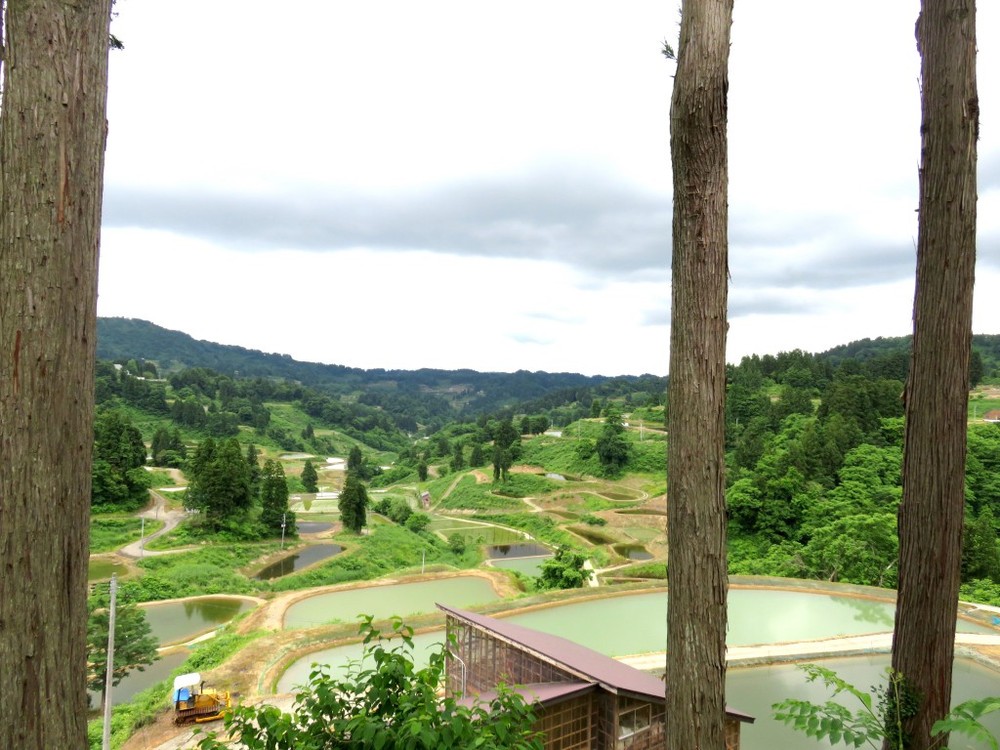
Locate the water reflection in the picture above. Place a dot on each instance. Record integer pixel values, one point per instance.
(516, 550)
(180, 621)
(301, 559)
(386, 601)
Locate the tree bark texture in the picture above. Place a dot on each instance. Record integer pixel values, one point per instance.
(52, 135)
(931, 513)
(696, 571)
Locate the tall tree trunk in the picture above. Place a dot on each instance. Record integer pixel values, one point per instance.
(52, 134)
(696, 570)
(931, 513)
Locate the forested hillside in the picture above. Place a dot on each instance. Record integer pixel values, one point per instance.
(815, 454)
(426, 395)
(814, 441)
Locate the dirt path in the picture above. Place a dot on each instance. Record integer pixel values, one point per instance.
(530, 502)
(451, 488)
(159, 511)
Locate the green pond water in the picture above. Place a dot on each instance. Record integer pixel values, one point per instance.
(337, 658)
(299, 560)
(385, 601)
(508, 551)
(633, 551)
(177, 622)
(529, 566)
(136, 682)
(756, 616)
(100, 570)
(312, 527)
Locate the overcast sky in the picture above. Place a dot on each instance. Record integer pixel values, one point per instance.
(484, 184)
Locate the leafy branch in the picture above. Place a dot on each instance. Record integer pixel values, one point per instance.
(873, 722)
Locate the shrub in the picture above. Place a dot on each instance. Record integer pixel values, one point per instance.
(391, 705)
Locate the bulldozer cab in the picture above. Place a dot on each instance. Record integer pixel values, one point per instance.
(187, 687)
(192, 703)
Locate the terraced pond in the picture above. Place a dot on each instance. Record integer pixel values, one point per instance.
(756, 616)
(387, 600)
(102, 569)
(297, 561)
(180, 621)
(507, 551)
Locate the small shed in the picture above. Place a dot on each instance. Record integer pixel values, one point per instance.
(585, 699)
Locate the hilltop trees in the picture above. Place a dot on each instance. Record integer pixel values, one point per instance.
(696, 569)
(52, 138)
(506, 448)
(167, 448)
(612, 447)
(117, 476)
(219, 480)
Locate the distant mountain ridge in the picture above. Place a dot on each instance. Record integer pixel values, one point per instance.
(467, 390)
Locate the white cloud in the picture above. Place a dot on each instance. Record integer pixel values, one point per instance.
(487, 185)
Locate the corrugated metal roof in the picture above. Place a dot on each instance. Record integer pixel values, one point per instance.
(536, 692)
(611, 674)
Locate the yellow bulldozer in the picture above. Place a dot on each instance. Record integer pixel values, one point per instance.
(194, 704)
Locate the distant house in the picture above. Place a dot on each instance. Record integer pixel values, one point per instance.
(586, 700)
(992, 416)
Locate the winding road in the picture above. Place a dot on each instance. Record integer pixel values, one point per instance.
(157, 511)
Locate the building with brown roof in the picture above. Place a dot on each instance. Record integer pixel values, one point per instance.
(586, 700)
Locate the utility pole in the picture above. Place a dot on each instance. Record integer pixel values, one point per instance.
(110, 671)
(142, 537)
(283, 530)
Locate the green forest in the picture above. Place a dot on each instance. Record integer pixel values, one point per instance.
(814, 442)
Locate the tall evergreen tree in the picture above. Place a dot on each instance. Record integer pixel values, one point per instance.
(274, 497)
(253, 465)
(355, 459)
(135, 644)
(309, 477)
(501, 463)
(613, 449)
(353, 503)
(476, 458)
(506, 448)
(197, 470)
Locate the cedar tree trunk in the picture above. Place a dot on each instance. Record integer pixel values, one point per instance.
(696, 570)
(930, 516)
(52, 133)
